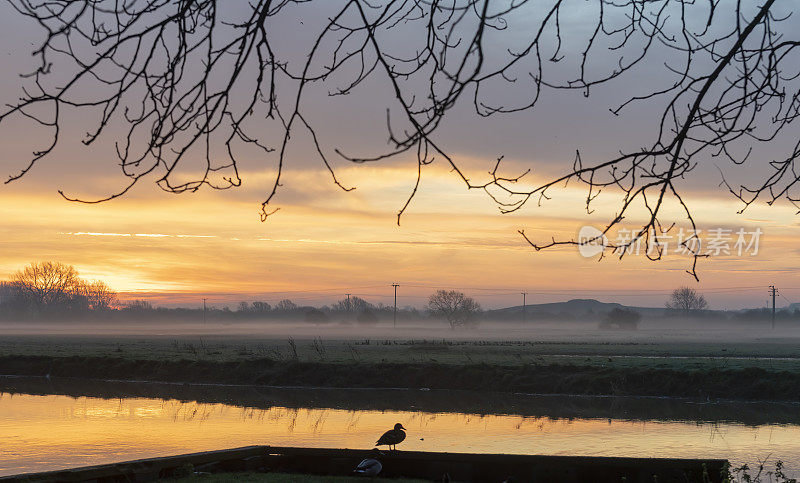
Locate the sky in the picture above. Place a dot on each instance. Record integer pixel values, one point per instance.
(324, 243)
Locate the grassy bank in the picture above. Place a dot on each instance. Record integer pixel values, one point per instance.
(749, 383)
(641, 364)
(631, 351)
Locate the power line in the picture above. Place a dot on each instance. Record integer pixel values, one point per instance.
(524, 308)
(494, 291)
(395, 285)
(773, 291)
(318, 290)
(622, 291)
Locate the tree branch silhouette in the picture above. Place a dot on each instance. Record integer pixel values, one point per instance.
(182, 78)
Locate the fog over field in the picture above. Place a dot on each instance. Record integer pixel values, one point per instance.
(544, 330)
(654, 338)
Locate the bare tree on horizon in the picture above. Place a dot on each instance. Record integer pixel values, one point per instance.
(686, 300)
(46, 283)
(187, 80)
(458, 309)
(55, 285)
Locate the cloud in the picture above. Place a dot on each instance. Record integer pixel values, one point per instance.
(145, 235)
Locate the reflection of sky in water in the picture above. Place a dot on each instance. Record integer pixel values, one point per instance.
(48, 432)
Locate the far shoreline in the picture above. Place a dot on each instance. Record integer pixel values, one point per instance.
(739, 384)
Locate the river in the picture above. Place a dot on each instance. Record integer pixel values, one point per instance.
(51, 431)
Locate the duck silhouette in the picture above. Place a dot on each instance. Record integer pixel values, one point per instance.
(392, 437)
(370, 466)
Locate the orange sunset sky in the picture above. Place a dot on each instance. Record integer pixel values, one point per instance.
(323, 243)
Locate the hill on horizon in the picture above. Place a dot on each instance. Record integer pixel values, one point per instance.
(573, 308)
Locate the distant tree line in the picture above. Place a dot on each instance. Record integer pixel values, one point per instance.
(54, 291)
(452, 307)
(285, 310)
(54, 288)
(353, 309)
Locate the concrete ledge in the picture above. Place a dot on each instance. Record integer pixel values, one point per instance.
(411, 464)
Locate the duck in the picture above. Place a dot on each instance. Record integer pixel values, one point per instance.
(370, 466)
(392, 437)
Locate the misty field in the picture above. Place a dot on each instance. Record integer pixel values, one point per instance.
(657, 349)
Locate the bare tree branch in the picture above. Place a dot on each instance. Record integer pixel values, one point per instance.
(189, 81)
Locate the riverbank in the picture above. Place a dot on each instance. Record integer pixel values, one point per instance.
(284, 478)
(708, 383)
(398, 465)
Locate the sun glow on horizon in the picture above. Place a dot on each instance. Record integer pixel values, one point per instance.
(212, 242)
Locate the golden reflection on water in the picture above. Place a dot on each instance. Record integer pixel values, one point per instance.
(48, 432)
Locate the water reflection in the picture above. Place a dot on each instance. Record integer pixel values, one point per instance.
(432, 401)
(40, 432)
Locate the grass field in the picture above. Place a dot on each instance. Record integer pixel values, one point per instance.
(642, 352)
(708, 363)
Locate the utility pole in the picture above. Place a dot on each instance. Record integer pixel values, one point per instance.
(395, 285)
(348, 302)
(524, 315)
(773, 291)
(204, 311)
